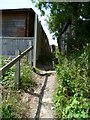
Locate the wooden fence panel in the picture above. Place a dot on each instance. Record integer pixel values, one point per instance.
(11, 44)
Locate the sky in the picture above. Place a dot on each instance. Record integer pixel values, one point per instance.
(13, 4)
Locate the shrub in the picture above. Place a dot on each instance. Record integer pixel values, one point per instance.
(13, 106)
(26, 80)
(72, 75)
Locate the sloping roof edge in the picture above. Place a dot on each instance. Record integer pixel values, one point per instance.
(19, 9)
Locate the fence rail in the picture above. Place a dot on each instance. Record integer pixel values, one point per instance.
(16, 61)
(17, 38)
(11, 63)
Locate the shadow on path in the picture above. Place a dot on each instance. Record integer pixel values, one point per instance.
(40, 96)
(40, 99)
(34, 94)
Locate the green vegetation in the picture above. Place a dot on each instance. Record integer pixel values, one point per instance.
(71, 97)
(63, 15)
(4, 60)
(73, 69)
(26, 81)
(8, 80)
(12, 104)
(37, 70)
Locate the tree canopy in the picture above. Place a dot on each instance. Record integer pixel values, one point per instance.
(68, 13)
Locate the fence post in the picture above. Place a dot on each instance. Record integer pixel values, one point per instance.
(35, 40)
(30, 54)
(17, 70)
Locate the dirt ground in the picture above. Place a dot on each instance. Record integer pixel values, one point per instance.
(40, 99)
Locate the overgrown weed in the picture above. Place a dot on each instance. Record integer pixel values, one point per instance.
(72, 89)
(12, 104)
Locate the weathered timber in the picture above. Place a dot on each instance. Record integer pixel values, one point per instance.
(11, 63)
(17, 38)
(35, 41)
(17, 70)
(30, 54)
(10, 44)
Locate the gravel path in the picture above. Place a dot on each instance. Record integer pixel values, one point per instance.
(47, 100)
(41, 99)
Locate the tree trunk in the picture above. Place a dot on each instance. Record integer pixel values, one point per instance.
(58, 42)
(89, 59)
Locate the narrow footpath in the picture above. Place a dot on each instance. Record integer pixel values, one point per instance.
(40, 99)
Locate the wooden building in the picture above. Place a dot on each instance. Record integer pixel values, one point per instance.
(18, 23)
(18, 27)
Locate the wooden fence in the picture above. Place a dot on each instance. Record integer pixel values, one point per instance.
(8, 45)
(16, 61)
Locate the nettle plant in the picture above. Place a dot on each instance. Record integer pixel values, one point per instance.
(71, 95)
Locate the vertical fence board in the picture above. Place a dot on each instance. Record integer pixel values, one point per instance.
(8, 45)
(35, 41)
(30, 54)
(17, 70)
